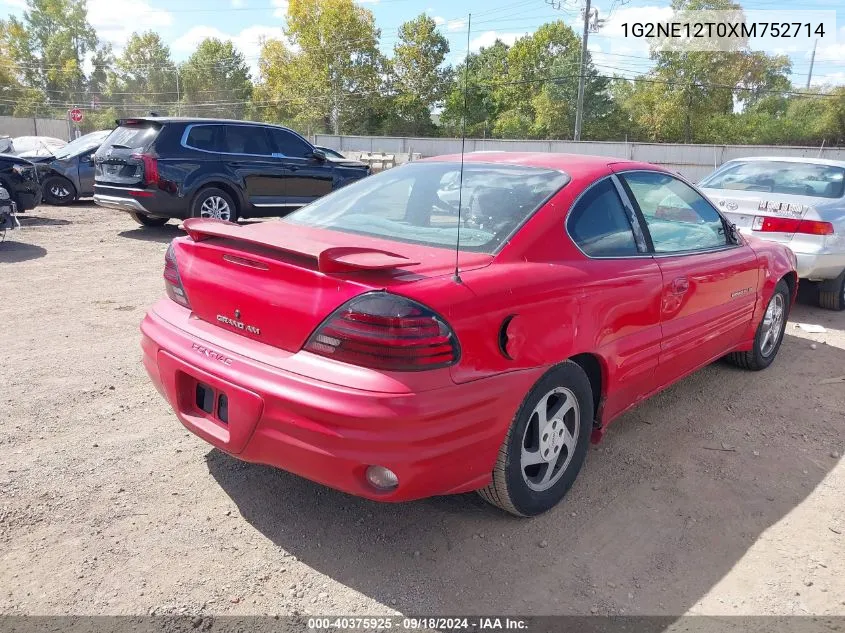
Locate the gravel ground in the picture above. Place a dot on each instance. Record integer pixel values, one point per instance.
(722, 495)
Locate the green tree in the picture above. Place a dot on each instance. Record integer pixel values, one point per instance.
(49, 45)
(486, 70)
(216, 73)
(333, 78)
(144, 74)
(419, 79)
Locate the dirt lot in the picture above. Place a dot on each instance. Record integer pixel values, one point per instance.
(723, 495)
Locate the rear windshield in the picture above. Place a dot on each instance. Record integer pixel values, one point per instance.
(135, 136)
(799, 179)
(418, 203)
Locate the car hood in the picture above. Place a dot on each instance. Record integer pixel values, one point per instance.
(345, 162)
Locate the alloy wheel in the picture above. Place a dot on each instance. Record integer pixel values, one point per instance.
(550, 438)
(772, 324)
(217, 208)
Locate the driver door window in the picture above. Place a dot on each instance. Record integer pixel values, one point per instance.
(678, 218)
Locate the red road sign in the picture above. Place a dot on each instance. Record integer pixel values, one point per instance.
(76, 115)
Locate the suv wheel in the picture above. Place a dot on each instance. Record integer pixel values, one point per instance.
(147, 220)
(214, 203)
(59, 191)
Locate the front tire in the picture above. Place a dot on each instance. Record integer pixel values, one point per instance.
(148, 220)
(769, 336)
(59, 191)
(214, 203)
(546, 444)
(832, 293)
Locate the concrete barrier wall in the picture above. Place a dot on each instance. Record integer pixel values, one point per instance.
(20, 126)
(693, 161)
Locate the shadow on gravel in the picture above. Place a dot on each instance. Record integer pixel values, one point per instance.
(34, 220)
(162, 234)
(14, 252)
(671, 500)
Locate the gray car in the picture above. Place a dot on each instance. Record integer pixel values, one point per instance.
(799, 202)
(68, 174)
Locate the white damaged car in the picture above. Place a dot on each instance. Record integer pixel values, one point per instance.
(799, 202)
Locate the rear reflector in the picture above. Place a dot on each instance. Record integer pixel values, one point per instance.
(767, 224)
(385, 331)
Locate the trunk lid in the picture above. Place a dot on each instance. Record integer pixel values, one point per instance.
(743, 207)
(116, 162)
(275, 282)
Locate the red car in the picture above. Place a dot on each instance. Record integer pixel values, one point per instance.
(340, 344)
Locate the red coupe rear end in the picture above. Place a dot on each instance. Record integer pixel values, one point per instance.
(340, 345)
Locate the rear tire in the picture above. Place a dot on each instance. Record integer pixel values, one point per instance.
(214, 203)
(59, 191)
(148, 220)
(763, 353)
(553, 425)
(832, 293)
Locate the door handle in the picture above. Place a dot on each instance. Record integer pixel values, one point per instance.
(680, 285)
(293, 167)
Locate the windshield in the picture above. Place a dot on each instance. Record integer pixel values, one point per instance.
(82, 144)
(799, 179)
(418, 203)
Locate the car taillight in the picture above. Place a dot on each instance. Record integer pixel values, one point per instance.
(791, 225)
(385, 331)
(150, 168)
(172, 280)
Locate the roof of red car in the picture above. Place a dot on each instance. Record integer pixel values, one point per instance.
(572, 164)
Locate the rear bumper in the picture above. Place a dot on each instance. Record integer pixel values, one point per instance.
(154, 202)
(819, 266)
(439, 441)
(118, 202)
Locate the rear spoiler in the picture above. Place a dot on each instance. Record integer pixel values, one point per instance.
(337, 259)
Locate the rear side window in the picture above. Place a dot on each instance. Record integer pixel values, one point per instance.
(209, 138)
(599, 224)
(247, 139)
(678, 218)
(289, 144)
(134, 136)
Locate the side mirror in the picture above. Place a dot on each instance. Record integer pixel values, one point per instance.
(318, 155)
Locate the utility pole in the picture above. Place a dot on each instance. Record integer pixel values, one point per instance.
(812, 60)
(579, 111)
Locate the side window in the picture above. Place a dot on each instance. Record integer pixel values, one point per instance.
(206, 137)
(678, 218)
(599, 223)
(247, 139)
(289, 144)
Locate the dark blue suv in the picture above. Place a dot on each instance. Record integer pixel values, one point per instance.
(158, 168)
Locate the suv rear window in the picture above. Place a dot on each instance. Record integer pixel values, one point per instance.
(418, 203)
(136, 136)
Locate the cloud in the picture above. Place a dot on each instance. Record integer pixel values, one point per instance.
(456, 25)
(828, 79)
(116, 20)
(281, 8)
(488, 38)
(248, 41)
(438, 20)
(237, 4)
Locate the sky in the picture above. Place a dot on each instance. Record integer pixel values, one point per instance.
(184, 23)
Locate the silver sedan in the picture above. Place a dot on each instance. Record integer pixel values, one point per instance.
(799, 202)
